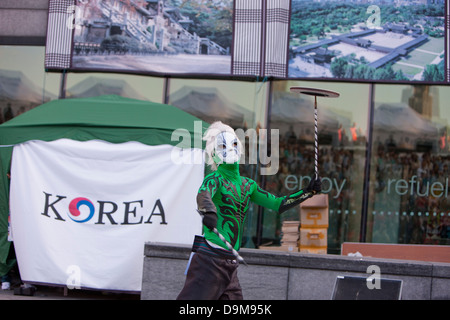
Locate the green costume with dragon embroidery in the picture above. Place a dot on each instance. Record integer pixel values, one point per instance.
(223, 201)
(227, 194)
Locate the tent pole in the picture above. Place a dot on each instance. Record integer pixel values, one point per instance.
(62, 88)
(166, 87)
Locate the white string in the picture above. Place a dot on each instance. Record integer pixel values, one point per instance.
(229, 246)
(235, 253)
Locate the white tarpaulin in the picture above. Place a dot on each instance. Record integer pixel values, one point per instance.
(81, 212)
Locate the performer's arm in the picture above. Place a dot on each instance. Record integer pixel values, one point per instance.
(290, 201)
(205, 204)
(281, 204)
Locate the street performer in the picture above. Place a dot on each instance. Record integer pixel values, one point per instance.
(223, 200)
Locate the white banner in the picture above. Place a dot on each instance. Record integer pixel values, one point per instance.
(81, 212)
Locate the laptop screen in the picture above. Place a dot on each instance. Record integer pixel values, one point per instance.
(356, 288)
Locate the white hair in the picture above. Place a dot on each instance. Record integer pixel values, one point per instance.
(210, 138)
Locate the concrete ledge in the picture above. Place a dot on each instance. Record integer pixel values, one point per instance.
(24, 4)
(274, 275)
(23, 19)
(23, 23)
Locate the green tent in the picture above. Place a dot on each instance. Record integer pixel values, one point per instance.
(110, 118)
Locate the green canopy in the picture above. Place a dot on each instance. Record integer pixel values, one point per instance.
(110, 118)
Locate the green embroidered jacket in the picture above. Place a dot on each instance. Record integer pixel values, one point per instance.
(227, 194)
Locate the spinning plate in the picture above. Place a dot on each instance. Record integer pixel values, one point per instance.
(315, 92)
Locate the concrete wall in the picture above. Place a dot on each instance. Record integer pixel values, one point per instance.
(23, 21)
(273, 275)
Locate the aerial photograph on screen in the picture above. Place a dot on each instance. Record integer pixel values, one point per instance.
(389, 40)
(163, 36)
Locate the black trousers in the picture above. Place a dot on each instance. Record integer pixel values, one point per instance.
(210, 278)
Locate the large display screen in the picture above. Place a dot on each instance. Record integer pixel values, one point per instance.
(374, 41)
(167, 37)
(396, 40)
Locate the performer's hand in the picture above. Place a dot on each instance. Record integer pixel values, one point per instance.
(210, 220)
(315, 186)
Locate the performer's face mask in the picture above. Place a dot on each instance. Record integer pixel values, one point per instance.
(227, 148)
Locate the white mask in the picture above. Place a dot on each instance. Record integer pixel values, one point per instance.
(227, 148)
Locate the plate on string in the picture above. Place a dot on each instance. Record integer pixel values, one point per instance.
(315, 92)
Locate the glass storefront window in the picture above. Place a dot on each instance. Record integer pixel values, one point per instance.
(409, 187)
(24, 84)
(129, 86)
(240, 104)
(342, 126)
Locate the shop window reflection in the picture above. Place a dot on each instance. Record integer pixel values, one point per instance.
(24, 84)
(342, 152)
(81, 85)
(408, 200)
(239, 104)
